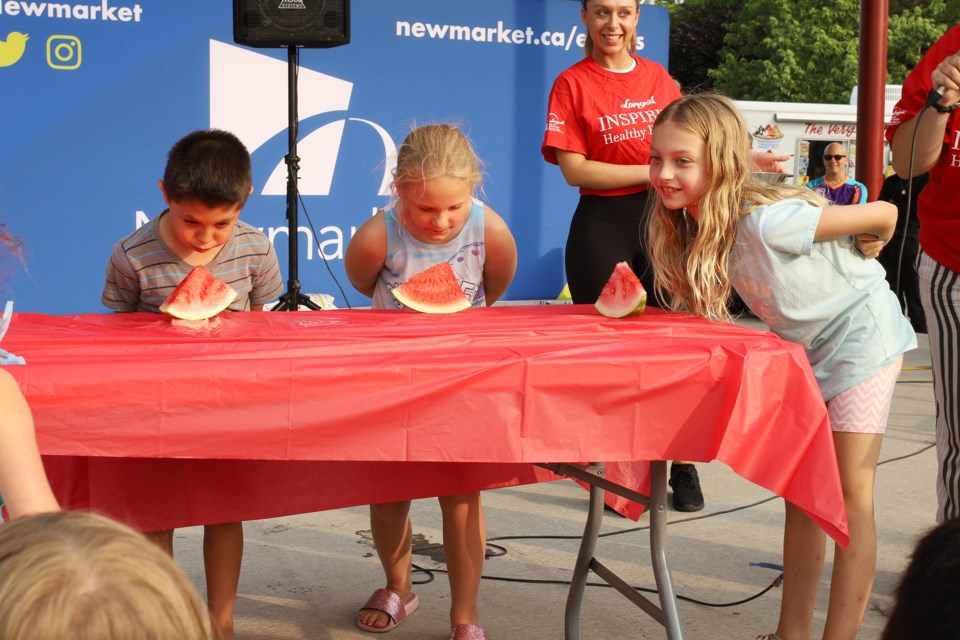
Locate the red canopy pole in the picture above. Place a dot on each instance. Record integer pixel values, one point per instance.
(870, 94)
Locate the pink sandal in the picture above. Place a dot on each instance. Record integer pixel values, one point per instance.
(388, 602)
(468, 632)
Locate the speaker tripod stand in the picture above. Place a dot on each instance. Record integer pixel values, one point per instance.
(293, 299)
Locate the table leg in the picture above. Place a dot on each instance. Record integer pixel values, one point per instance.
(658, 549)
(593, 474)
(581, 570)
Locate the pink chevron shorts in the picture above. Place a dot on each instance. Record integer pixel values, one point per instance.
(864, 408)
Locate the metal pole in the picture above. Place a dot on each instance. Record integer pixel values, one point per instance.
(870, 94)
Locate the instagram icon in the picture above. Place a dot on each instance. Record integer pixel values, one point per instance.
(64, 52)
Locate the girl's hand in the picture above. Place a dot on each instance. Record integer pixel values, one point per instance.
(868, 244)
(767, 161)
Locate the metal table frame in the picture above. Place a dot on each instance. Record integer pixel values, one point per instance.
(656, 504)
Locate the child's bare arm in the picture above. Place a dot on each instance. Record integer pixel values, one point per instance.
(878, 218)
(23, 480)
(501, 256)
(366, 253)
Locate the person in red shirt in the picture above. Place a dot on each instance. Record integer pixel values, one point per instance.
(924, 133)
(599, 117)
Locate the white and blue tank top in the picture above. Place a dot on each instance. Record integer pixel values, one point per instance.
(407, 256)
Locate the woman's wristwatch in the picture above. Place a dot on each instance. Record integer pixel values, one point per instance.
(942, 109)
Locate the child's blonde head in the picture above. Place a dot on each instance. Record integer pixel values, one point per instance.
(86, 577)
(690, 256)
(437, 151)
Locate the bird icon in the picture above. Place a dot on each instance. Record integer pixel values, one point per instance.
(11, 49)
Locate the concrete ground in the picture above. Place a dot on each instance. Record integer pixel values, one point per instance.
(305, 576)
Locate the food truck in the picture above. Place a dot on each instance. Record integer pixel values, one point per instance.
(803, 131)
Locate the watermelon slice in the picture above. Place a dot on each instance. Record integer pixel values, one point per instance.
(199, 296)
(623, 295)
(433, 290)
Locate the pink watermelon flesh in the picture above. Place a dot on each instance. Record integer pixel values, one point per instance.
(199, 296)
(434, 290)
(623, 295)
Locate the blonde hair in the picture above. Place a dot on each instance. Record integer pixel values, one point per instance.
(689, 257)
(81, 576)
(588, 43)
(436, 151)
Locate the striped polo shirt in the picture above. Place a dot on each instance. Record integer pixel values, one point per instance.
(143, 270)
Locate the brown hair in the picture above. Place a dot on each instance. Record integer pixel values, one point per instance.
(81, 576)
(208, 165)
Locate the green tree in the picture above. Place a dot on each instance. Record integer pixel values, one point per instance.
(697, 29)
(912, 31)
(782, 50)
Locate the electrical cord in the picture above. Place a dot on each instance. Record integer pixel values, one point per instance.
(496, 551)
(306, 213)
(932, 98)
(316, 239)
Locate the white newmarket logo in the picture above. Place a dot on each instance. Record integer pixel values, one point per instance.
(248, 96)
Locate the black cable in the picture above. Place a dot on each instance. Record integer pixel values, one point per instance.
(932, 97)
(303, 205)
(500, 551)
(565, 583)
(316, 239)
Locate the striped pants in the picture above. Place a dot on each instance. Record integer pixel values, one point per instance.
(940, 296)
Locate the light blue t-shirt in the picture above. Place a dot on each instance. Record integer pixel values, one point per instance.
(822, 295)
(407, 256)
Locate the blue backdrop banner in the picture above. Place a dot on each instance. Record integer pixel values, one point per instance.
(92, 96)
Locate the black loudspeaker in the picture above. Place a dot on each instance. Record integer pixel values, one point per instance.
(291, 23)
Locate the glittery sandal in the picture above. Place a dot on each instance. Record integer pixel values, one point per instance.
(468, 632)
(388, 602)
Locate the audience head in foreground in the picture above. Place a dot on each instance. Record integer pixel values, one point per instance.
(86, 577)
(929, 589)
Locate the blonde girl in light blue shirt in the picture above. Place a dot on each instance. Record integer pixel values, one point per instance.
(804, 268)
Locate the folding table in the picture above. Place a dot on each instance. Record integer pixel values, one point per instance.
(257, 415)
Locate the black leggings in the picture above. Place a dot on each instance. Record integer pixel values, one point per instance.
(606, 230)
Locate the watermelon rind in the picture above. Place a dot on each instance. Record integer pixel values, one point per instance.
(199, 296)
(623, 295)
(434, 290)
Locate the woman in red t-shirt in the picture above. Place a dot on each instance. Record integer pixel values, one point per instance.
(600, 114)
(599, 118)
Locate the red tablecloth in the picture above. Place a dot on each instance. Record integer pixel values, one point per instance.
(250, 401)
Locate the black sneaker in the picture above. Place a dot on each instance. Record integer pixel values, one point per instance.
(686, 487)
